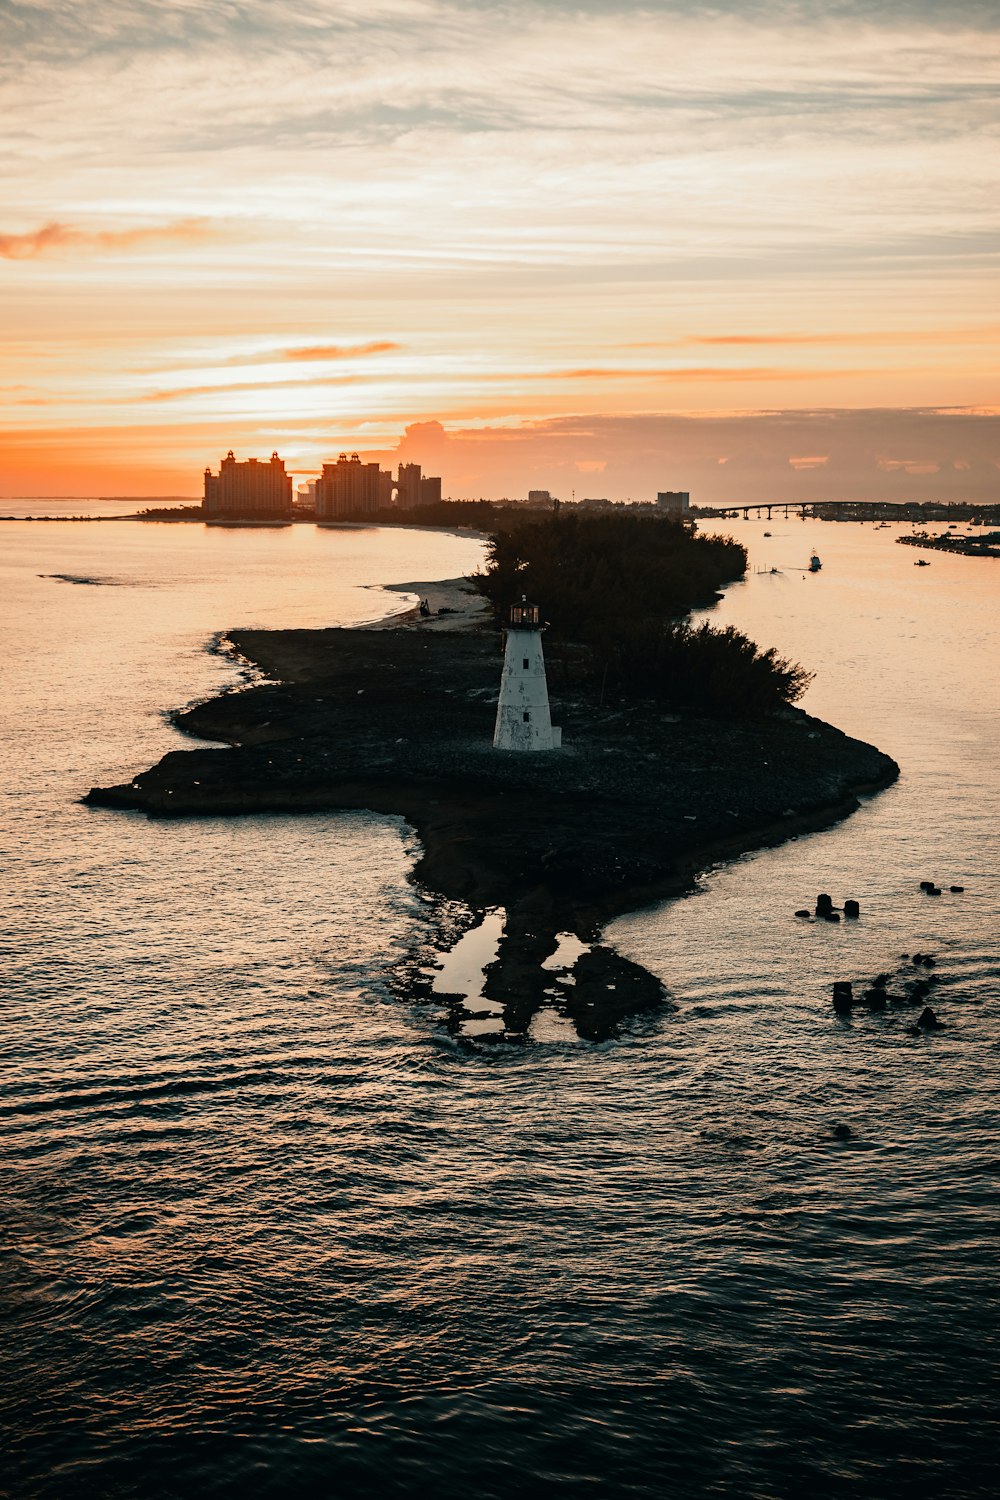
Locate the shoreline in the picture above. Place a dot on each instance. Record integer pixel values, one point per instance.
(637, 804)
(961, 546)
(463, 606)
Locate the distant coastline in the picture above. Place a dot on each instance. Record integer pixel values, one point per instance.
(483, 515)
(480, 515)
(965, 546)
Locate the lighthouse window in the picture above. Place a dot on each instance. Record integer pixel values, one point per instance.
(525, 663)
(527, 718)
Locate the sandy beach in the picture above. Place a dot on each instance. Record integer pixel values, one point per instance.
(454, 603)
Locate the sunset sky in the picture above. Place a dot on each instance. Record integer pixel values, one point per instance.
(742, 249)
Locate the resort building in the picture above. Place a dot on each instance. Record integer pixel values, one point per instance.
(414, 489)
(408, 487)
(252, 488)
(350, 487)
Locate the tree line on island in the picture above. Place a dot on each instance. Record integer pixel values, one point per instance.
(616, 591)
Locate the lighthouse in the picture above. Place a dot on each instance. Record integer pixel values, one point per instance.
(523, 720)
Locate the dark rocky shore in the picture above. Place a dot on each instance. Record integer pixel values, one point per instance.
(401, 721)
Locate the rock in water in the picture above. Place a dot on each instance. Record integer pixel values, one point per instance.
(843, 996)
(928, 1021)
(843, 1132)
(852, 909)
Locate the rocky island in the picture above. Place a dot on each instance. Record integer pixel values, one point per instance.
(399, 720)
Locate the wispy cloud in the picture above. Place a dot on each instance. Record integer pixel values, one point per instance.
(181, 393)
(982, 333)
(711, 374)
(54, 238)
(987, 333)
(324, 352)
(908, 465)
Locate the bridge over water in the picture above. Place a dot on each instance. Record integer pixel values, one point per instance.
(856, 510)
(800, 508)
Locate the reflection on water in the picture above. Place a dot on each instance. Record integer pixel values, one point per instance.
(460, 975)
(461, 969)
(266, 1230)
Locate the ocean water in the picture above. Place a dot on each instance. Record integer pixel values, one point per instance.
(266, 1229)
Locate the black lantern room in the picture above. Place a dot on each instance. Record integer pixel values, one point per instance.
(524, 616)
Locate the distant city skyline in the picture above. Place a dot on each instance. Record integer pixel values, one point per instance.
(742, 250)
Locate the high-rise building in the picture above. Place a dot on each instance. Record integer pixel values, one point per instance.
(414, 489)
(408, 487)
(350, 487)
(673, 502)
(252, 488)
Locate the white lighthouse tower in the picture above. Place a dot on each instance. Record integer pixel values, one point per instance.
(523, 720)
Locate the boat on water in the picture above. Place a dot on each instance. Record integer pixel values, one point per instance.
(921, 562)
(814, 564)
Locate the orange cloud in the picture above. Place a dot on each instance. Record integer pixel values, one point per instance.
(908, 466)
(182, 392)
(698, 372)
(810, 463)
(341, 351)
(54, 237)
(984, 334)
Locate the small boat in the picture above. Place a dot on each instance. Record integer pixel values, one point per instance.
(921, 562)
(814, 564)
(767, 533)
